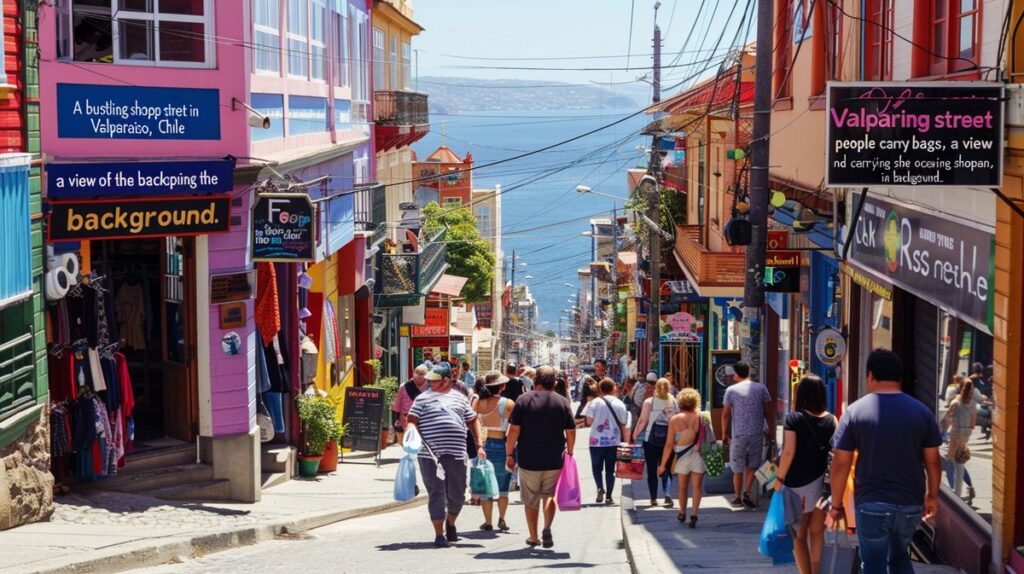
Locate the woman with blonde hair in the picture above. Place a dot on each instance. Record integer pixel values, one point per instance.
(652, 428)
(688, 431)
(959, 422)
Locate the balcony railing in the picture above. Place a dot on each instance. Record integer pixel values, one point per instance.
(370, 203)
(399, 108)
(405, 277)
(709, 268)
(675, 177)
(17, 374)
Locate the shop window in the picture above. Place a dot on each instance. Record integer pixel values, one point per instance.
(965, 356)
(878, 34)
(950, 32)
(379, 60)
(298, 38)
(339, 46)
(266, 17)
(172, 33)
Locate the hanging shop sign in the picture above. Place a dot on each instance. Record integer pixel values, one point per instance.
(232, 287)
(830, 346)
(721, 375)
(137, 112)
(283, 228)
(681, 327)
(435, 324)
(782, 272)
(85, 180)
(893, 134)
(139, 217)
(947, 263)
(639, 334)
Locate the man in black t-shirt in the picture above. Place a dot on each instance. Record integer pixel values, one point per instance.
(514, 387)
(543, 426)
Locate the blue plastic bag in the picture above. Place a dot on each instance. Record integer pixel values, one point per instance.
(405, 479)
(775, 542)
(482, 480)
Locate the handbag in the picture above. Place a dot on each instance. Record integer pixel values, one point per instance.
(962, 454)
(567, 489)
(840, 556)
(264, 422)
(710, 452)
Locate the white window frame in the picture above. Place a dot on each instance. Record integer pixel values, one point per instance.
(298, 37)
(395, 76)
(406, 65)
(340, 49)
(483, 221)
(266, 29)
(360, 76)
(322, 43)
(66, 9)
(378, 62)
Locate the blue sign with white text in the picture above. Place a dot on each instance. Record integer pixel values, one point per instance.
(132, 112)
(80, 180)
(272, 106)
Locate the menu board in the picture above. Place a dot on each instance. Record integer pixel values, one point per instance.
(363, 413)
(283, 228)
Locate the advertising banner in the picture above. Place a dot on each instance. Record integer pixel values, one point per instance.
(681, 327)
(914, 134)
(134, 112)
(271, 106)
(147, 217)
(283, 228)
(435, 324)
(85, 180)
(947, 263)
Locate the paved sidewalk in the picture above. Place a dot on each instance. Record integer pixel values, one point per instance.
(113, 532)
(725, 540)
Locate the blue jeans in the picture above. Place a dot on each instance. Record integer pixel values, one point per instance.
(884, 532)
(602, 464)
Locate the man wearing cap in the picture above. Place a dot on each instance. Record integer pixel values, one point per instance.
(443, 417)
(642, 391)
(405, 396)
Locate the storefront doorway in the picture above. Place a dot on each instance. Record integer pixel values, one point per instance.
(153, 290)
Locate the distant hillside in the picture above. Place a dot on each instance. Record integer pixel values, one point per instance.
(455, 95)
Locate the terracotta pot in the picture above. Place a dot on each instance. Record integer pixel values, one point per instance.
(329, 462)
(308, 465)
(383, 439)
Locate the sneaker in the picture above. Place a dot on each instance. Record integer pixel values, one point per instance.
(668, 502)
(608, 500)
(600, 495)
(736, 503)
(441, 542)
(749, 503)
(451, 533)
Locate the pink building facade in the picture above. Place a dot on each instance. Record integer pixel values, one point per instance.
(167, 122)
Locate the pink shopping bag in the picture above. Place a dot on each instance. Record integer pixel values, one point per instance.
(567, 490)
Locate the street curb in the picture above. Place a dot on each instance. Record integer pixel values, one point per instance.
(643, 558)
(154, 553)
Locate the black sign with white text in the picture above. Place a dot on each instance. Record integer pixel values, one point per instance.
(914, 134)
(283, 228)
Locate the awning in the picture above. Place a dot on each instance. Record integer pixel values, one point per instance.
(450, 285)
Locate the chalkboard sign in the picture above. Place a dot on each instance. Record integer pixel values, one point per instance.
(364, 413)
(283, 228)
(721, 375)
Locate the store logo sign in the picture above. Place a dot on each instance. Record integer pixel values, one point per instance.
(283, 228)
(146, 217)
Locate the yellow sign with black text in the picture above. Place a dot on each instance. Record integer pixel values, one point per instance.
(144, 217)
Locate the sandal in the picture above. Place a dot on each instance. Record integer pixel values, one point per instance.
(693, 521)
(502, 525)
(532, 543)
(486, 527)
(545, 536)
(681, 517)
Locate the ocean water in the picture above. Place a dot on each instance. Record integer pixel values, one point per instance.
(543, 216)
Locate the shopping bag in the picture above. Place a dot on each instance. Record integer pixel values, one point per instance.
(629, 462)
(482, 480)
(567, 489)
(840, 556)
(405, 478)
(766, 474)
(412, 442)
(775, 542)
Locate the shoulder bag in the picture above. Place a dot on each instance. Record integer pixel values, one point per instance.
(826, 490)
(618, 423)
(659, 430)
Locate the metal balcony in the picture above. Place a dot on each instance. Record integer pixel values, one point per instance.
(370, 204)
(404, 278)
(400, 118)
(707, 268)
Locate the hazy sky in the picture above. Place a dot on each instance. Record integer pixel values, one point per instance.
(458, 29)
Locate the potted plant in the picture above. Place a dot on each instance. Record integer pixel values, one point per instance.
(318, 427)
(329, 462)
(390, 386)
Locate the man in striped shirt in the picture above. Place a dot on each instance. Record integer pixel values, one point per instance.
(442, 417)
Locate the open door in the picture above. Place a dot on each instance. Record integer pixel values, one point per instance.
(177, 308)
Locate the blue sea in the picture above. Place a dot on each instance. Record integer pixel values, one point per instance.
(543, 216)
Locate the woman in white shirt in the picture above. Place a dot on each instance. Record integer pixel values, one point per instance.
(652, 428)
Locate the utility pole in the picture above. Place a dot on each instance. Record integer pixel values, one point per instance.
(753, 284)
(512, 308)
(654, 169)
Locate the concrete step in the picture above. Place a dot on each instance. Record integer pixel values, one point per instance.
(157, 478)
(269, 479)
(218, 489)
(160, 458)
(278, 458)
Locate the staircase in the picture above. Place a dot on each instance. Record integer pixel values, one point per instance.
(169, 473)
(277, 463)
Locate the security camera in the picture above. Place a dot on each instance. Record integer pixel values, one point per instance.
(255, 119)
(259, 121)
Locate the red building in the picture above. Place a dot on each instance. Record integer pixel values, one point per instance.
(450, 180)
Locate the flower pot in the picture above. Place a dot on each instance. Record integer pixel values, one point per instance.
(308, 465)
(329, 462)
(383, 438)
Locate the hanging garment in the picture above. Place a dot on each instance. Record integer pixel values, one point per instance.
(125, 379)
(332, 342)
(268, 310)
(62, 377)
(102, 328)
(95, 374)
(113, 333)
(112, 397)
(262, 372)
(85, 425)
(131, 315)
(60, 439)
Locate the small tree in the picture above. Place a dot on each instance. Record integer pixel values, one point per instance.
(469, 255)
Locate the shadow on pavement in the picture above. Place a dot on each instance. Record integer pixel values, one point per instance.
(533, 553)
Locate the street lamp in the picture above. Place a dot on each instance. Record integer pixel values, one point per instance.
(668, 236)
